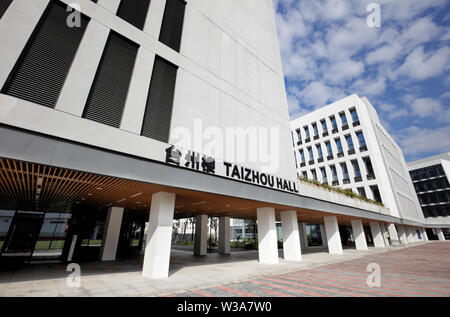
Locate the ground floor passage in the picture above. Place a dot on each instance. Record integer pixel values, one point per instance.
(420, 269)
(51, 213)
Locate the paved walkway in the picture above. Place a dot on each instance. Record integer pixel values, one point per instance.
(240, 274)
(422, 270)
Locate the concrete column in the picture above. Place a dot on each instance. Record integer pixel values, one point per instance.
(402, 234)
(409, 235)
(333, 235)
(159, 236)
(291, 237)
(267, 236)
(302, 235)
(14, 33)
(424, 234)
(77, 86)
(440, 234)
(224, 235)
(324, 235)
(201, 235)
(111, 234)
(358, 233)
(393, 234)
(377, 236)
(384, 233)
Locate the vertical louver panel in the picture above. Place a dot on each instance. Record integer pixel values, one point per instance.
(110, 88)
(134, 12)
(172, 25)
(158, 113)
(41, 70)
(4, 4)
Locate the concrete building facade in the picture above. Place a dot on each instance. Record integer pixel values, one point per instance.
(122, 112)
(345, 145)
(431, 179)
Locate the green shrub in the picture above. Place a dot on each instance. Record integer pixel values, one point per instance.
(347, 192)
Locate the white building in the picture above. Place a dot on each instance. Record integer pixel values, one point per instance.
(431, 179)
(345, 145)
(123, 115)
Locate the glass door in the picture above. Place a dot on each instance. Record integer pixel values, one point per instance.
(21, 239)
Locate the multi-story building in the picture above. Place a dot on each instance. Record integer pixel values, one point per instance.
(345, 145)
(431, 179)
(118, 113)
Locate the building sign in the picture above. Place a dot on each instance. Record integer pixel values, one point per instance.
(209, 165)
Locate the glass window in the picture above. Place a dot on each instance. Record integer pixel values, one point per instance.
(302, 155)
(361, 139)
(306, 128)
(313, 235)
(343, 118)
(354, 114)
(356, 168)
(376, 193)
(305, 175)
(333, 122)
(299, 135)
(329, 148)
(324, 126)
(334, 172)
(311, 155)
(339, 145)
(349, 142)
(344, 170)
(362, 191)
(316, 130)
(319, 150)
(369, 167)
(324, 174)
(314, 174)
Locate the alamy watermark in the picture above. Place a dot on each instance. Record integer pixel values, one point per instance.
(374, 278)
(73, 280)
(374, 18)
(241, 145)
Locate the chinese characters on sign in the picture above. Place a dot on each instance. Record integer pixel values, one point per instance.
(206, 164)
(192, 160)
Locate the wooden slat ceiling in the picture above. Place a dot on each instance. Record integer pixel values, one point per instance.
(30, 186)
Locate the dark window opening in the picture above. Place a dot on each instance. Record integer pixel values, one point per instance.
(41, 70)
(158, 113)
(110, 88)
(134, 12)
(172, 25)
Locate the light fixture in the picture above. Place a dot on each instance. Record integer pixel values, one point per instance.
(199, 203)
(135, 195)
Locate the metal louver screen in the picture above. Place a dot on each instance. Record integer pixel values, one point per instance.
(110, 88)
(158, 113)
(172, 25)
(4, 4)
(41, 70)
(134, 12)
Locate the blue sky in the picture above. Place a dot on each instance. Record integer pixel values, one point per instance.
(403, 67)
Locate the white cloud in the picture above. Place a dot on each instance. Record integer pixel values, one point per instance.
(318, 94)
(421, 65)
(415, 141)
